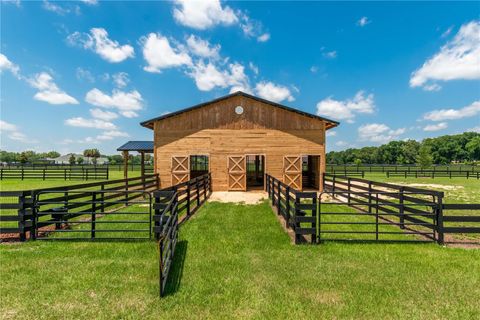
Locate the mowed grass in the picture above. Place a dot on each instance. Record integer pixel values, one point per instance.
(29, 184)
(235, 261)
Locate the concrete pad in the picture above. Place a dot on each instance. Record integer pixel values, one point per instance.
(251, 197)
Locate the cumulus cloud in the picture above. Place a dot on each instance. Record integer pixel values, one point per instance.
(159, 54)
(474, 129)
(330, 54)
(203, 14)
(13, 132)
(347, 109)
(453, 114)
(458, 59)
(48, 91)
(378, 133)
(273, 92)
(120, 79)
(90, 123)
(84, 75)
(8, 65)
(60, 10)
(331, 133)
(207, 76)
(264, 37)
(112, 134)
(127, 103)
(99, 42)
(363, 21)
(103, 115)
(202, 48)
(436, 127)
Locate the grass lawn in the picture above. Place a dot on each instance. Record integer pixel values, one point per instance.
(235, 261)
(29, 184)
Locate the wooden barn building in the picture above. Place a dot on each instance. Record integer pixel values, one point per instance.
(239, 138)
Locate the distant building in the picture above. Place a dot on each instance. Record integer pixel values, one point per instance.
(65, 159)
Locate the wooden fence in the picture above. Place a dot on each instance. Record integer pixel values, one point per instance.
(22, 212)
(54, 173)
(298, 209)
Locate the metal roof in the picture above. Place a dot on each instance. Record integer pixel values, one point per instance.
(146, 146)
(148, 123)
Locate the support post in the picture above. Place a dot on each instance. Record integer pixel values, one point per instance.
(125, 164)
(440, 235)
(142, 167)
(401, 209)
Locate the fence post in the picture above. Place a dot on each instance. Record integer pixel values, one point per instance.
(369, 197)
(295, 223)
(188, 199)
(21, 217)
(22, 172)
(278, 198)
(94, 208)
(287, 205)
(333, 186)
(401, 209)
(197, 187)
(44, 174)
(376, 217)
(349, 188)
(314, 215)
(33, 229)
(440, 235)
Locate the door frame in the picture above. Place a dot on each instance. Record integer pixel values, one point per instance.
(264, 168)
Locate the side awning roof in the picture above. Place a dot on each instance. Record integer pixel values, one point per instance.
(144, 146)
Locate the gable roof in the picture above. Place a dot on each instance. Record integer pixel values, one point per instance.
(149, 123)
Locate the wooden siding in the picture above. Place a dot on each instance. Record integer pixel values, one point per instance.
(217, 131)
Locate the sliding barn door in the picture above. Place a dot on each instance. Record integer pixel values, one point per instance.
(180, 169)
(292, 171)
(237, 173)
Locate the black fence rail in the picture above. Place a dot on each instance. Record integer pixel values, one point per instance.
(433, 174)
(417, 209)
(298, 209)
(376, 216)
(169, 204)
(72, 173)
(401, 167)
(19, 210)
(349, 173)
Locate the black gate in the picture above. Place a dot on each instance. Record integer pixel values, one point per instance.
(92, 215)
(377, 216)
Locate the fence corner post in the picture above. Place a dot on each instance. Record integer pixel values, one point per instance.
(440, 234)
(21, 218)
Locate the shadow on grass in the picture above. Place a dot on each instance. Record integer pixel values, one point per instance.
(176, 272)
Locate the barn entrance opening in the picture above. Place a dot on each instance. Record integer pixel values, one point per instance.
(255, 172)
(310, 172)
(198, 165)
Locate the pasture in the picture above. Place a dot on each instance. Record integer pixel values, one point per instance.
(236, 261)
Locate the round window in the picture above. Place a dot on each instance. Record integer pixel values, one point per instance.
(239, 110)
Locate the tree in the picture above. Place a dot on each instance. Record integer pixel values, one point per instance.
(87, 153)
(23, 158)
(425, 158)
(52, 154)
(473, 148)
(79, 160)
(357, 162)
(71, 160)
(95, 154)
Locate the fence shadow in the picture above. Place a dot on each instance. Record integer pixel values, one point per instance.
(176, 272)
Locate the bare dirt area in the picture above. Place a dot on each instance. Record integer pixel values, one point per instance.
(250, 197)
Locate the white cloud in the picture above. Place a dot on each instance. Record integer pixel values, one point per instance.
(120, 79)
(331, 133)
(363, 21)
(127, 103)
(453, 114)
(330, 54)
(264, 37)
(90, 123)
(377, 132)
(341, 143)
(347, 109)
(97, 40)
(273, 92)
(436, 127)
(203, 14)
(160, 55)
(110, 135)
(474, 129)
(49, 91)
(202, 48)
(458, 59)
(13, 132)
(103, 115)
(253, 67)
(208, 76)
(313, 69)
(14, 2)
(6, 64)
(84, 74)
(447, 32)
(90, 2)
(53, 7)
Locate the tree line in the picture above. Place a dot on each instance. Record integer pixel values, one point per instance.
(460, 148)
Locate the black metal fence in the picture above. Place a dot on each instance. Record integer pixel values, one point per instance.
(421, 173)
(54, 173)
(51, 166)
(298, 209)
(400, 167)
(29, 213)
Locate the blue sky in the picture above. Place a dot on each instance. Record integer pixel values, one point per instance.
(77, 75)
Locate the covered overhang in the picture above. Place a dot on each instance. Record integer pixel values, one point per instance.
(141, 147)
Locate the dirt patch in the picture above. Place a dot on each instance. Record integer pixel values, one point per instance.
(431, 185)
(238, 197)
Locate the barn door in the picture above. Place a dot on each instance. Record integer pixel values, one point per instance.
(180, 169)
(237, 177)
(292, 171)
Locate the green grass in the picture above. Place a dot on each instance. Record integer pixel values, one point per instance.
(235, 261)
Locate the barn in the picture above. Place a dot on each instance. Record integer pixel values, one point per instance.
(239, 138)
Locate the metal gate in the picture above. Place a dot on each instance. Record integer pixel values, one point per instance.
(92, 215)
(377, 216)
